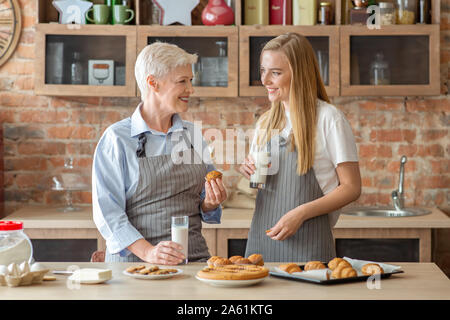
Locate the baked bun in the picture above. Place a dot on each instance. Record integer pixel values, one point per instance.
(371, 268)
(333, 264)
(234, 258)
(256, 259)
(343, 272)
(222, 262)
(211, 260)
(213, 175)
(290, 267)
(242, 261)
(314, 265)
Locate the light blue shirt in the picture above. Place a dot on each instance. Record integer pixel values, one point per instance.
(115, 173)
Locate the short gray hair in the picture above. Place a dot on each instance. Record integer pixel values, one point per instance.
(157, 59)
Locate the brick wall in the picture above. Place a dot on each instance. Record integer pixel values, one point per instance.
(40, 131)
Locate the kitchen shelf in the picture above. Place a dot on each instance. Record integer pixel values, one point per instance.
(47, 13)
(412, 52)
(202, 41)
(105, 42)
(252, 39)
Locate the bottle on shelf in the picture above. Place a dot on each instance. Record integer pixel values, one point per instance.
(76, 69)
(304, 12)
(423, 12)
(379, 71)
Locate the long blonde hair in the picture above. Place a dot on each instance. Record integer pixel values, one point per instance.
(305, 88)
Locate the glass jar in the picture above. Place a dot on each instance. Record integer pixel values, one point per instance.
(15, 246)
(387, 13)
(379, 71)
(324, 13)
(405, 11)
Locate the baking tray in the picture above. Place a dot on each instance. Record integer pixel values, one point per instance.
(330, 281)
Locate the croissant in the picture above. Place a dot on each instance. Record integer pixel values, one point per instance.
(333, 264)
(371, 268)
(313, 265)
(256, 259)
(233, 259)
(343, 272)
(290, 267)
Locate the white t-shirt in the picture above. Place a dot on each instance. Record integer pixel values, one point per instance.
(335, 143)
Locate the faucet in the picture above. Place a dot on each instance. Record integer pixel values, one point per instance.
(397, 195)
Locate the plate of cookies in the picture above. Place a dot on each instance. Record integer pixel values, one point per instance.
(235, 271)
(337, 270)
(150, 272)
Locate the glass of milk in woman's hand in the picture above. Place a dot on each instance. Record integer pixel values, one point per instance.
(180, 233)
(258, 178)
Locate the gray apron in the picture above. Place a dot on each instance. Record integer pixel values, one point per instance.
(166, 189)
(284, 191)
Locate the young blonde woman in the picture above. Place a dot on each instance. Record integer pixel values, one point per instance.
(318, 171)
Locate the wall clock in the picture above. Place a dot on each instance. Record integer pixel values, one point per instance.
(10, 27)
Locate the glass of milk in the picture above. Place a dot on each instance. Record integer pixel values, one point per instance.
(180, 233)
(258, 178)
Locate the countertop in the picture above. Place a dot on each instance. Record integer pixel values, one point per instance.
(422, 281)
(36, 217)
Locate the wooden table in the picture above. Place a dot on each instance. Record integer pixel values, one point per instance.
(421, 281)
(42, 222)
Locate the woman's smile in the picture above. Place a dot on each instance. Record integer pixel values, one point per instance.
(276, 75)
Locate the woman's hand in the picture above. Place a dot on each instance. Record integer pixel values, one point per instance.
(165, 252)
(287, 225)
(215, 194)
(248, 167)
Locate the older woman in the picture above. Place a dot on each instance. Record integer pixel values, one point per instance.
(148, 168)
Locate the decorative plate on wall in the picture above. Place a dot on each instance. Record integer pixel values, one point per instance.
(10, 28)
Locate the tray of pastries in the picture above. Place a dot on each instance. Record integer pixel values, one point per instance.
(235, 271)
(337, 270)
(144, 272)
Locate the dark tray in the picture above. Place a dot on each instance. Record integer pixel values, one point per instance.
(331, 281)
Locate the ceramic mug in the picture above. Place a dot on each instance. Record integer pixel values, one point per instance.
(119, 14)
(101, 14)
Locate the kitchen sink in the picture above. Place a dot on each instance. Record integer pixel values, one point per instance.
(385, 212)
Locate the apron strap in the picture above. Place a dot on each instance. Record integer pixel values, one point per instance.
(140, 152)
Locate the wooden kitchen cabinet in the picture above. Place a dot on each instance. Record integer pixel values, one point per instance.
(55, 47)
(216, 72)
(324, 40)
(409, 52)
(347, 51)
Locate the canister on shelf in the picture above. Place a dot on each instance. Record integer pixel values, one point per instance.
(280, 12)
(325, 16)
(256, 12)
(387, 13)
(304, 12)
